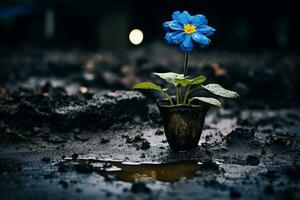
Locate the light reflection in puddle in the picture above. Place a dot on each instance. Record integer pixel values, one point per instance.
(136, 172)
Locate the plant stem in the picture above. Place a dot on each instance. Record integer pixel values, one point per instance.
(179, 94)
(186, 93)
(185, 72)
(182, 95)
(177, 97)
(186, 64)
(168, 97)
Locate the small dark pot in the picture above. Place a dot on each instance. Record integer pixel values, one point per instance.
(183, 124)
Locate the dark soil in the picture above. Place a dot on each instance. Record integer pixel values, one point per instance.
(57, 106)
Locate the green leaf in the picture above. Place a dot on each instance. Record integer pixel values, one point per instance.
(147, 86)
(170, 77)
(183, 82)
(198, 80)
(220, 91)
(211, 101)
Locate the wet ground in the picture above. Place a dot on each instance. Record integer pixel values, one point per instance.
(71, 128)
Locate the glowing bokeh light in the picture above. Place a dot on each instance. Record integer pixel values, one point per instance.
(136, 36)
(83, 90)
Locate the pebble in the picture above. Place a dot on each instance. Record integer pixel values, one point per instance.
(140, 188)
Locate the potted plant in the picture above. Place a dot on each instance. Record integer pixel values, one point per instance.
(184, 114)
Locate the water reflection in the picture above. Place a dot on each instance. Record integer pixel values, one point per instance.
(135, 172)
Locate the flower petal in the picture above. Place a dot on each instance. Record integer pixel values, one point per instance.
(175, 15)
(178, 37)
(187, 45)
(206, 30)
(168, 37)
(174, 37)
(172, 25)
(201, 39)
(198, 20)
(184, 18)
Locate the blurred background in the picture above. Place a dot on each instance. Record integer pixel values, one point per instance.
(106, 24)
(113, 44)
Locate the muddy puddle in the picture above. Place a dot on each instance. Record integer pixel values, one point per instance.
(137, 172)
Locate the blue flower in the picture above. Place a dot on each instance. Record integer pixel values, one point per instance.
(186, 29)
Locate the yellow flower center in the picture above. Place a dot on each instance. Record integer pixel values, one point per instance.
(189, 28)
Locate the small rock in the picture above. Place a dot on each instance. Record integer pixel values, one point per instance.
(145, 145)
(137, 138)
(282, 140)
(208, 137)
(82, 138)
(107, 165)
(36, 130)
(240, 134)
(125, 137)
(104, 141)
(74, 156)
(140, 188)
(159, 132)
(46, 159)
(143, 155)
(252, 160)
(76, 131)
(56, 139)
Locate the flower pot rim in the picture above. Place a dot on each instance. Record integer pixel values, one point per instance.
(158, 101)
